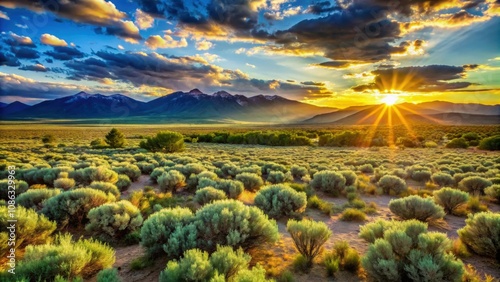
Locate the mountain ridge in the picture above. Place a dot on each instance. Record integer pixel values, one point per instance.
(222, 105)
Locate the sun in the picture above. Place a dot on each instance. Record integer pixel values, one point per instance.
(390, 100)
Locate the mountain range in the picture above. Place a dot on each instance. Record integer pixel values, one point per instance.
(195, 106)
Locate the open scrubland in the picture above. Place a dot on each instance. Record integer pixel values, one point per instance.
(349, 204)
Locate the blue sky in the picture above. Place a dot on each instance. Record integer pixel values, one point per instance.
(328, 53)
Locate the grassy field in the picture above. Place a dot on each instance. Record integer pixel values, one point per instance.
(352, 193)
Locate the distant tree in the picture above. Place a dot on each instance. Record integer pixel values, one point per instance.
(491, 143)
(115, 139)
(49, 138)
(165, 141)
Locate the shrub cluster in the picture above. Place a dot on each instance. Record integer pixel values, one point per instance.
(474, 184)
(114, 220)
(391, 183)
(329, 181)
(342, 257)
(280, 200)
(482, 234)
(209, 194)
(225, 222)
(308, 237)
(450, 199)
(71, 207)
(251, 181)
(171, 180)
(165, 141)
(35, 198)
(21, 187)
(405, 251)
(269, 138)
(31, 228)
(416, 207)
(224, 264)
(64, 258)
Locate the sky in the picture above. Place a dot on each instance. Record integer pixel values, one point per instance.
(327, 53)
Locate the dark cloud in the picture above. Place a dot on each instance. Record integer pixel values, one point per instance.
(37, 67)
(419, 78)
(335, 64)
(313, 83)
(348, 35)
(25, 53)
(7, 59)
(322, 7)
(65, 53)
(48, 60)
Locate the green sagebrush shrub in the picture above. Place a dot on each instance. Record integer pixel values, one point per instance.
(482, 234)
(225, 222)
(232, 188)
(251, 181)
(405, 251)
(132, 171)
(171, 180)
(443, 179)
(209, 194)
(89, 174)
(450, 199)
(123, 182)
(106, 187)
(230, 222)
(114, 219)
(280, 200)
(30, 228)
(64, 258)
(275, 177)
(19, 186)
(35, 198)
(64, 183)
(165, 141)
(493, 191)
(491, 143)
(224, 264)
(392, 183)
(474, 184)
(416, 207)
(329, 181)
(169, 230)
(350, 177)
(458, 143)
(71, 207)
(308, 237)
(108, 275)
(298, 171)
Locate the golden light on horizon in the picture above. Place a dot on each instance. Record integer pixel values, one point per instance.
(390, 99)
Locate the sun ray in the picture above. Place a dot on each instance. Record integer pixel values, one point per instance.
(370, 114)
(390, 137)
(374, 127)
(420, 114)
(404, 121)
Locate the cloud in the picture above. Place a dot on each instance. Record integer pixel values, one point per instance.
(7, 59)
(279, 15)
(25, 53)
(123, 29)
(204, 45)
(21, 87)
(100, 13)
(120, 47)
(49, 39)
(95, 12)
(4, 16)
(17, 40)
(143, 20)
(36, 67)
(337, 64)
(65, 53)
(250, 65)
(322, 8)
(419, 78)
(215, 19)
(156, 41)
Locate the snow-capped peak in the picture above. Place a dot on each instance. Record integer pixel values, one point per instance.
(222, 94)
(270, 98)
